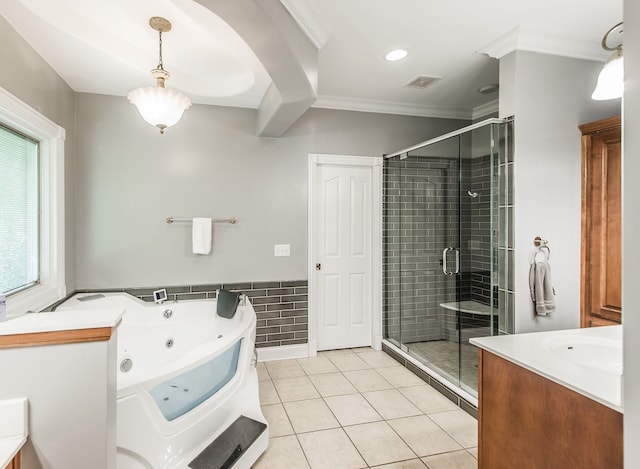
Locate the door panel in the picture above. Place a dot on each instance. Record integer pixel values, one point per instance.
(358, 299)
(331, 295)
(344, 230)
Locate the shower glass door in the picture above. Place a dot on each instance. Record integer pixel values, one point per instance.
(430, 255)
(440, 223)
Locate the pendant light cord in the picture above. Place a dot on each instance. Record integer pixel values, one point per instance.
(160, 67)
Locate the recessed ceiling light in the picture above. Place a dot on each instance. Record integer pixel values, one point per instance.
(488, 89)
(395, 55)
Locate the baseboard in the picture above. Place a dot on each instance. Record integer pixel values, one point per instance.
(283, 352)
(377, 342)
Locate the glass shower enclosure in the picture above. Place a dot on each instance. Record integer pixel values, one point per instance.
(444, 217)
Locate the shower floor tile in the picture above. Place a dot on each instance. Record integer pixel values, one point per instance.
(443, 356)
(391, 428)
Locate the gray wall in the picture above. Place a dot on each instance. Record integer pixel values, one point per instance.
(551, 96)
(28, 77)
(631, 233)
(129, 178)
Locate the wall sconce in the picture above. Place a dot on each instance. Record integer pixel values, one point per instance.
(158, 105)
(610, 83)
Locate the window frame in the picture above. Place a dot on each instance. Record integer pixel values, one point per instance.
(21, 117)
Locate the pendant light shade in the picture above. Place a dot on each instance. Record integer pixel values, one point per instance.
(610, 84)
(159, 106)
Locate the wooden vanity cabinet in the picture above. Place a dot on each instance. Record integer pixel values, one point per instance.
(601, 250)
(526, 421)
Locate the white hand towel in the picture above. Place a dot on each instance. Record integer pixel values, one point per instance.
(201, 235)
(541, 288)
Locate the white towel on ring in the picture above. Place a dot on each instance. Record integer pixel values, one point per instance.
(201, 235)
(541, 288)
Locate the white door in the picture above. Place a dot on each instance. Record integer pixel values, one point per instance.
(343, 267)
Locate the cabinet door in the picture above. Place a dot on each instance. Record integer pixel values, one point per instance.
(526, 421)
(601, 264)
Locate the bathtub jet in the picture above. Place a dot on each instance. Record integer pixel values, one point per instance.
(187, 387)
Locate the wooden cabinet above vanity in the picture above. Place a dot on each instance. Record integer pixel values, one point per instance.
(601, 257)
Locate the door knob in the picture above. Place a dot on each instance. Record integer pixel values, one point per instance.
(318, 266)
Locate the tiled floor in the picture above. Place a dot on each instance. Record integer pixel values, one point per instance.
(357, 409)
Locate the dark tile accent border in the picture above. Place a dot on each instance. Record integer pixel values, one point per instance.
(281, 306)
(469, 408)
(446, 392)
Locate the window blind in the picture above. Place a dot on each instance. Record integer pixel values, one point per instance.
(19, 211)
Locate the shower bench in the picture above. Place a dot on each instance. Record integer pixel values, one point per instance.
(469, 306)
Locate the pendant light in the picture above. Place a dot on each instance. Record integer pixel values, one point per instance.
(610, 83)
(158, 105)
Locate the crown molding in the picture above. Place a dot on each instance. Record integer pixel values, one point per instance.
(309, 21)
(524, 39)
(389, 107)
(485, 109)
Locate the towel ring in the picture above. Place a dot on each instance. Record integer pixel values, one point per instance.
(541, 245)
(539, 242)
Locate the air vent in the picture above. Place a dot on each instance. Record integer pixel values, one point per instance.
(421, 82)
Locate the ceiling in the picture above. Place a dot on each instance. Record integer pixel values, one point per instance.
(107, 47)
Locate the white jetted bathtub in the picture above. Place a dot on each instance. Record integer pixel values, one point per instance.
(185, 375)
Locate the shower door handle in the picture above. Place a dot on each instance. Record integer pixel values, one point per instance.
(445, 270)
(444, 262)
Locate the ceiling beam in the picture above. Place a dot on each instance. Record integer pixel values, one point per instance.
(286, 52)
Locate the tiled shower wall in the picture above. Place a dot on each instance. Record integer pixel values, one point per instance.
(420, 207)
(281, 306)
(482, 239)
(420, 201)
(478, 243)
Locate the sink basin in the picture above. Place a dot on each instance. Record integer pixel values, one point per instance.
(590, 352)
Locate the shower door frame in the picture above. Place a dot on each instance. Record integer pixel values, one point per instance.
(457, 389)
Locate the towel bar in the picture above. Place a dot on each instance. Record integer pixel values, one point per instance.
(232, 220)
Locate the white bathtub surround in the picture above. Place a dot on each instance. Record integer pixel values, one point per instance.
(159, 346)
(280, 306)
(588, 360)
(201, 235)
(14, 428)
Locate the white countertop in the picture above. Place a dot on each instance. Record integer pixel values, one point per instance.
(61, 321)
(588, 360)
